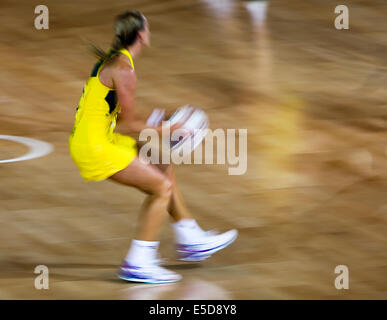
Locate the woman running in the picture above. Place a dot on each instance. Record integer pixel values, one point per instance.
(101, 147)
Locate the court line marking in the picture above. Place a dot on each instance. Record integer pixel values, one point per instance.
(37, 148)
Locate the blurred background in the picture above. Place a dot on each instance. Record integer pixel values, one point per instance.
(313, 99)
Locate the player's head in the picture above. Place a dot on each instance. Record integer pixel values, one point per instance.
(131, 27)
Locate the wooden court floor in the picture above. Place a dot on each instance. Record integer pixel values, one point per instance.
(312, 98)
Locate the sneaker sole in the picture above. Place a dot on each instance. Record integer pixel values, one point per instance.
(209, 253)
(149, 281)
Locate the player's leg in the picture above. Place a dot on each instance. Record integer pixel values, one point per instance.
(193, 243)
(159, 189)
(177, 207)
(141, 263)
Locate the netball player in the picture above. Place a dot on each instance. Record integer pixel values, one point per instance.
(101, 147)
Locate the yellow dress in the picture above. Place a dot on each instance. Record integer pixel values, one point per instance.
(95, 148)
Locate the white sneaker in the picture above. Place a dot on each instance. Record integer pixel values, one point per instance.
(150, 273)
(205, 245)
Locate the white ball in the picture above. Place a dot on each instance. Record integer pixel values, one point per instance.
(196, 123)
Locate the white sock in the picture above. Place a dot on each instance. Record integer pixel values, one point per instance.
(186, 231)
(142, 252)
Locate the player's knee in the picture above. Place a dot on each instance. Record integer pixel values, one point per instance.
(165, 189)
